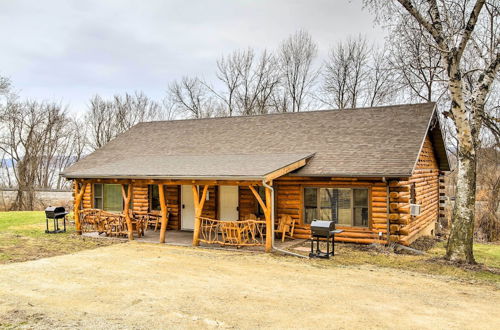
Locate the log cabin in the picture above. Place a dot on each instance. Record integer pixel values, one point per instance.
(375, 172)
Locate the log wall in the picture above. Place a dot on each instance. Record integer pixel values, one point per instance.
(425, 186)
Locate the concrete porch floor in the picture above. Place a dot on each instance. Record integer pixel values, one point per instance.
(185, 238)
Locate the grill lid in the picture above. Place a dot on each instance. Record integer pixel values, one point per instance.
(52, 212)
(322, 225)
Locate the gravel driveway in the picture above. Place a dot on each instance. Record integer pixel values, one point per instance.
(136, 285)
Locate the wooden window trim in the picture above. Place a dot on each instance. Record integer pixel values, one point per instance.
(368, 187)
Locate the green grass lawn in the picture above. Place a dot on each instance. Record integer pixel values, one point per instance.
(23, 237)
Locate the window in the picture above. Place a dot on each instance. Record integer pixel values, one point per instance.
(345, 206)
(262, 193)
(154, 198)
(108, 197)
(98, 196)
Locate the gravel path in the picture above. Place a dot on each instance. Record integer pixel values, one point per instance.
(152, 286)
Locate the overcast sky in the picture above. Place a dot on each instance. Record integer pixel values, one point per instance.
(69, 50)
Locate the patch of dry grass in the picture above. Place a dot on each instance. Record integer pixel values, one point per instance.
(430, 263)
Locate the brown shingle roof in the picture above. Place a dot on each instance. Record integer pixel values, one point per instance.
(382, 141)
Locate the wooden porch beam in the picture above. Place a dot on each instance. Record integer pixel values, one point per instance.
(127, 195)
(164, 210)
(257, 197)
(79, 192)
(198, 209)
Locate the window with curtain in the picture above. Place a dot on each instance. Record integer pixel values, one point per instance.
(345, 206)
(108, 197)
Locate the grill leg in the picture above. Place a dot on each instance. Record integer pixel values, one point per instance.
(328, 247)
(64, 222)
(333, 244)
(47, 224)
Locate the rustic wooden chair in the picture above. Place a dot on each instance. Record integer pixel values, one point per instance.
(286, 227)
(231, 233)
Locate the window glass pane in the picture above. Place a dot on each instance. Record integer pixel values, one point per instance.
(154, 197)
(329, 203)
(113, 200)
(310, 215)
(98, 190)
(360, 207)
(360, 197)
(344, 207)
(310, 197)
(98, 196)
(310, 204)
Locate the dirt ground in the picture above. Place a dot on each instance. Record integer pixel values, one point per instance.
(152, 286)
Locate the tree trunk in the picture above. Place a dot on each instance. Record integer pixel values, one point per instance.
(461, 238)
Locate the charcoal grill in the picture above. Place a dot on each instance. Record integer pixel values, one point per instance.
(321, 229)
(54, 214)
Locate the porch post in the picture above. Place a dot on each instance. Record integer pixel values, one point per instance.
(198, 208)
(127, 195)
(267, 208)
(163, 206)
(78, 201)
(267, 213)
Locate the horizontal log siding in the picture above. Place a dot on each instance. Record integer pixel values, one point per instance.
(87, 201)
(140, 199)
(173, 205)
(289, 201)
(426, 181)
(247, 202)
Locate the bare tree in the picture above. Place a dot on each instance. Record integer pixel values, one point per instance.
(249, 82)
(30, 136)
(106, 119)
(356, 74)
(192, 96)
(452, 27)
(296, 56)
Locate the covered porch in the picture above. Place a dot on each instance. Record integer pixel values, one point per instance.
(193, 208)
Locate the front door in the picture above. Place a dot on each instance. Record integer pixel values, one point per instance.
(228, 205)
(187, 208)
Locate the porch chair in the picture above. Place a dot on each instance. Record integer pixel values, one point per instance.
(286, 227)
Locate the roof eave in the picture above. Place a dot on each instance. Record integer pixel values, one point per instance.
(165, 177)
